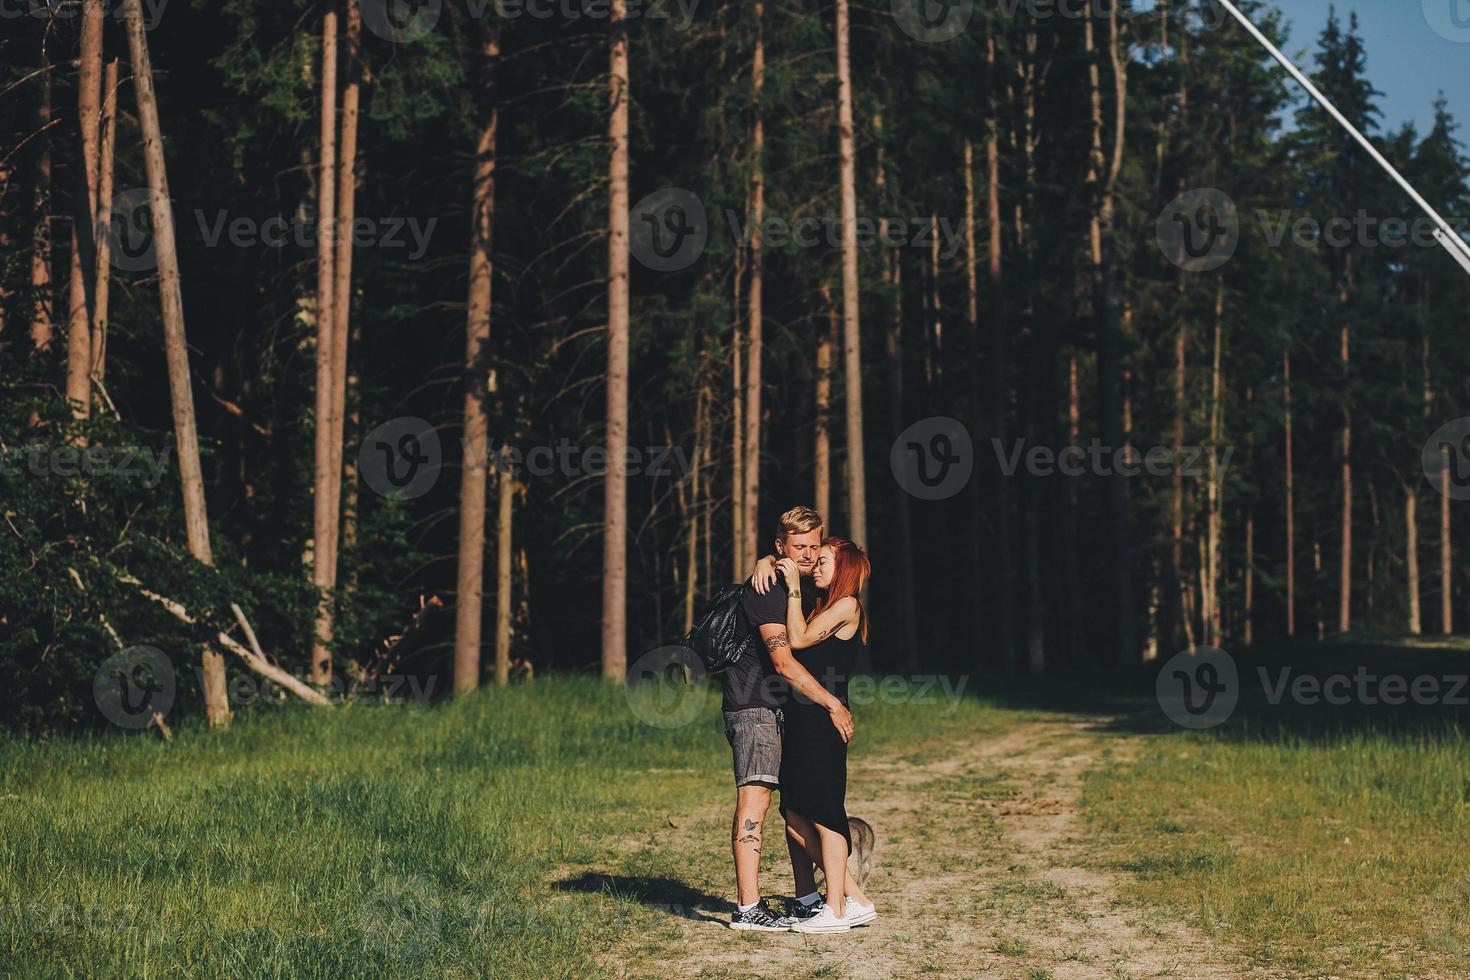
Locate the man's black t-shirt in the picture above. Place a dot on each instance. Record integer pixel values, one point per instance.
(752, 681)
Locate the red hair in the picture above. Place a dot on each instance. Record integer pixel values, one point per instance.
(850, 571)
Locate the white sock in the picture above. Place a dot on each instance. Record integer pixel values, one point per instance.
(747, 908)
(810, 900)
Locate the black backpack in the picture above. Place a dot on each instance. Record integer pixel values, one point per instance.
(721, 636)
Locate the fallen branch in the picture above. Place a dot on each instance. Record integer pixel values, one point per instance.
(254, 658)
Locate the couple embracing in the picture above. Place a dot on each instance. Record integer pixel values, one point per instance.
(788, 724)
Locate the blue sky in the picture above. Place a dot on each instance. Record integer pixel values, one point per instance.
(1416, 48)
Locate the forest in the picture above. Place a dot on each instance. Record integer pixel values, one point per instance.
(467, 342)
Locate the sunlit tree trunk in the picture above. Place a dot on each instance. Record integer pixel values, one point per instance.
(41, 311)
(323, 522)
(342, 261)
(105, 155)
(181, 395)
(751, 492)
(506, 488)
(470, 590)
(82, 294)
(852, 367)
(615, 511)
(999, 389)
(976, 554)
(1213, 490)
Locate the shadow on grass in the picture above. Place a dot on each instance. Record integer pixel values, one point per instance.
(1299, 690)
(661, 893)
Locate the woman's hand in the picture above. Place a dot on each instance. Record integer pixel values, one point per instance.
(788, 570)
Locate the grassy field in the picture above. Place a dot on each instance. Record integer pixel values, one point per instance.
(1321, 840)
(369, 841)
(477, 838)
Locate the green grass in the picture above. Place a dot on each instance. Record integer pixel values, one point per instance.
(467, 840)
(1341, 853)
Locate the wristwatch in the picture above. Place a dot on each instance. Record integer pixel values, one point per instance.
(794, 594)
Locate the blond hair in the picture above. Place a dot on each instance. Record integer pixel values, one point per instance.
(799, 520)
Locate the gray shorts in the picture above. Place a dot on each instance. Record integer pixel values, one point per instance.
(755, 740)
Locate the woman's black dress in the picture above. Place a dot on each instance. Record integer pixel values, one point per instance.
(813, 754)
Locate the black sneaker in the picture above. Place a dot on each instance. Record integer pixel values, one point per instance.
(760, 918)
(796, 912)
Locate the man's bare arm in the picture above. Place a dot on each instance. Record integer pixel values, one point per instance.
(801, 679)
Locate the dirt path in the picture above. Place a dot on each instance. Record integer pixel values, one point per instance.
(982, 868)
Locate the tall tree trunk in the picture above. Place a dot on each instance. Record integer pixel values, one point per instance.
(935, 306)
(181, 395)
(1213, 490)
(41, 296)
(693, 506)
(904, 545)
(1110, 364)
(1290, 500)
(506, 488)
(615, 512)
(976, 550)
(1446, 578)
(737, 432)
(751, 491)
(342, 260)
(324, 522)
(1411, 553)
(1345, 567)
(999, 390)
(479, 380)
(106, 153)
(857, 494)
(822, 436)
(82, 297)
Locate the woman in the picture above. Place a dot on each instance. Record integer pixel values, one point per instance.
(813, 754)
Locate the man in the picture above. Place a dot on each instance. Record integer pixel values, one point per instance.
(755, 687)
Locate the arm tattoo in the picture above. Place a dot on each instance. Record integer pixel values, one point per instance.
(776, 642)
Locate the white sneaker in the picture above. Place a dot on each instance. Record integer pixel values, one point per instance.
(859, 914)
(824, 921)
